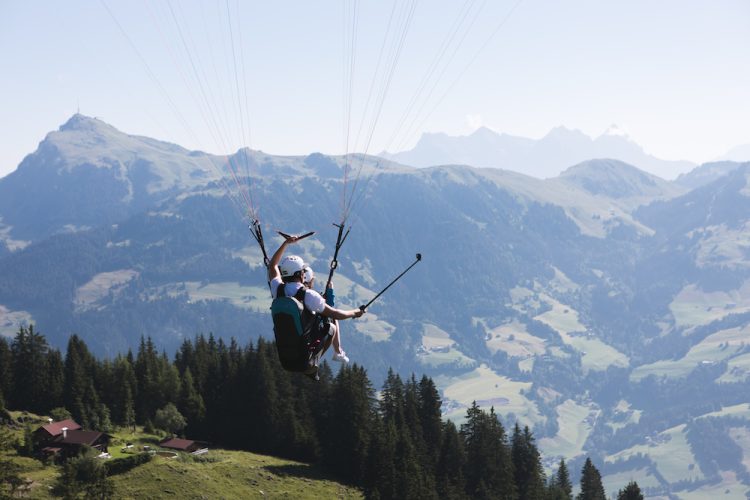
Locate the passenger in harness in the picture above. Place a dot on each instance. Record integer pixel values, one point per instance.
(309, 281)
(301, 340)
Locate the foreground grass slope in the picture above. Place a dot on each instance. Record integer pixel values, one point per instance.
(216, 474)
(228, 474)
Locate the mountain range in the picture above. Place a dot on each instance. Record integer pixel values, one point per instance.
(543, 158)
(605, 307)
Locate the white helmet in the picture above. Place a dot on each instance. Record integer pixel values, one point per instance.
(309, 274)
(291, 265)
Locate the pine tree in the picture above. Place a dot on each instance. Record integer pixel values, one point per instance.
(308, 441)
(226, 368)
(28, 441)
(78, 389)
(471, 432)
(105, 421)
(245, 403)
(197, 357)
(424, 460)
(431, 419)
(191, 403)
(391, 403)
(4, 415)
(29, 360)
(293, 418)
(262, 393)
(184, 358)
(146, 368)
(211, 358)
(528, 471)
(410, 478)
(489, 468)
(55, 379)
(502, 483)
(591, 483)
(92, 417)
(123, 392)
(630, 492)
(411, 417)
(451, 463)
(127, 417)
(560, 487)
(168, 381)
(6, 369)
(380, 471)
(319, 402)
(348, 432)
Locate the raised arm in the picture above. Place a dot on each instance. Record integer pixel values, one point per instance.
(273, 265)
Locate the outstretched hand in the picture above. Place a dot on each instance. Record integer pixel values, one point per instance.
(291, 239)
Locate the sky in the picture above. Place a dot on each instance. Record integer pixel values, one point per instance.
(295, 77)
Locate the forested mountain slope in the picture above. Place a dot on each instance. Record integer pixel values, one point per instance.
(606, 308)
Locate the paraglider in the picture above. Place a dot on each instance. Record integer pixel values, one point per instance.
(207, 86)
(302, 334)
(305, 323)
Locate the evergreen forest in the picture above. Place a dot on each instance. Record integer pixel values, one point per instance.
(393, 443)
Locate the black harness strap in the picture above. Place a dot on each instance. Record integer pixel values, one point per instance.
(307, 317)
(258, 235)
(340, 239)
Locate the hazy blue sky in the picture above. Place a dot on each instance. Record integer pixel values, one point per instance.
(674, 74)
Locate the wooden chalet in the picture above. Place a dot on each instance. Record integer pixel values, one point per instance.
(48, 433)
(66, 438)
(186, 445)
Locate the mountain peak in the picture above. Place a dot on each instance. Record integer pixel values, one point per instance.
(615, 130)
(484, 132)
(562, 132)
(616, 179)
(80, 123)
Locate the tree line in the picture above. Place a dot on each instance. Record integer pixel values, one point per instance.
(394, 444)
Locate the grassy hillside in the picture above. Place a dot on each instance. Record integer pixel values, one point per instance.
(216, 474)
(228, 474)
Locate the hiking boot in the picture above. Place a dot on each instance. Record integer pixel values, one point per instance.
(341, 356)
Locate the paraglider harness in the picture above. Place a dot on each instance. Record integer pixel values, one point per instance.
(301, 336)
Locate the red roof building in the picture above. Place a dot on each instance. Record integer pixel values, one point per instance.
(67, 438)
(187, 445)
(52, 430)
(70, 443)
(88, 438)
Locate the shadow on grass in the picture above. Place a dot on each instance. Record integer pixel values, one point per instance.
(149, 440)
(301, 471)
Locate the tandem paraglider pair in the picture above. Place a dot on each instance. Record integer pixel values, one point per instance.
(306, 322)
(305, 325)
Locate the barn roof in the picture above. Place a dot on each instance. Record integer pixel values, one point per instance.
(80, 437)
(55, 428)
(177, 443)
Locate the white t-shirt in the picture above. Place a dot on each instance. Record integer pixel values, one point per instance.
(313, 300)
